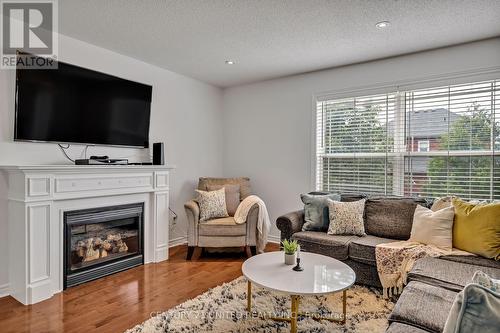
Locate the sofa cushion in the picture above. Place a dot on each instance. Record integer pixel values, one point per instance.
(362, 249)
(244, 182)
(335, 246)
(391, 217)
(316, 214)
(474, 260)
(423, 306)
(225, 226)
(403, 328)
(447, 274)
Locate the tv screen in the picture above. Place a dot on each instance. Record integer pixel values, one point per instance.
(72, 104)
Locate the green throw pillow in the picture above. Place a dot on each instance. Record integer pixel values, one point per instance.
(316, 215)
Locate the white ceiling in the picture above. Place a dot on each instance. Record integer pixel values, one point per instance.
(272, 38)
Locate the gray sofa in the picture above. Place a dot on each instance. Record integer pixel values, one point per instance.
(433, 282)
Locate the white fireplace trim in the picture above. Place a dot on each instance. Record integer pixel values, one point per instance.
(38, 198)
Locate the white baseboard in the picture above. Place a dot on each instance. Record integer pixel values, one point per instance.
(4, 290)
(177, 241)
(274, 239)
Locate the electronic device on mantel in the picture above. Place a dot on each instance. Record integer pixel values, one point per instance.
(101, 160)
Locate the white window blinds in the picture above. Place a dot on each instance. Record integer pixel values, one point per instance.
(426, 142)
(353, 144)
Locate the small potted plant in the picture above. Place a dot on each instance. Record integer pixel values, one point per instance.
(290, 248)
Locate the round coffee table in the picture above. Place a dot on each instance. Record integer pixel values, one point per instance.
(321, 275)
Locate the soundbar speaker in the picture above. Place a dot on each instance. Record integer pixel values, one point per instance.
(158, 154)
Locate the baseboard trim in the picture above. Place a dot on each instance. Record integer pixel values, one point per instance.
(4, 290)
(274, 239)
(177, 241)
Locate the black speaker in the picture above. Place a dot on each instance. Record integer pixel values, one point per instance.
(158, 154)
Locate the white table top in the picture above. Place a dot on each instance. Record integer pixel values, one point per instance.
(321, 274)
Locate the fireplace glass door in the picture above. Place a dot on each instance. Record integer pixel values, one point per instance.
(102, 238)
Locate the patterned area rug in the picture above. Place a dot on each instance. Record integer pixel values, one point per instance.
(223, 309)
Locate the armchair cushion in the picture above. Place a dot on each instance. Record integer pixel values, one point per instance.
(232, 192)
(225, 226)
(244, 182)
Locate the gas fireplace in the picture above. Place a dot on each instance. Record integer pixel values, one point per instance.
(102, 241)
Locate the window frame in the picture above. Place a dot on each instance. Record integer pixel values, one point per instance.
(400, 150)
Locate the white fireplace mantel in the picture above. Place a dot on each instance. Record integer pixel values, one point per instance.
(39, 195)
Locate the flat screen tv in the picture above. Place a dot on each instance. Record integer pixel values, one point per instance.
(72, 104)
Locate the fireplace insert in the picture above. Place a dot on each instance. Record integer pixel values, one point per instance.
(102, 241)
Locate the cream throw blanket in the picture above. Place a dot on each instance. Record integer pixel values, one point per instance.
(263, 221)
(395, 260)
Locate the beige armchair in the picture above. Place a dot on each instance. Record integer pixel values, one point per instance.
(221, 232)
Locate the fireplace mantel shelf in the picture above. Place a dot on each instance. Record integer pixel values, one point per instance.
(39, 195)
(93, 168)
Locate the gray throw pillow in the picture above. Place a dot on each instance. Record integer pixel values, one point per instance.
(316, 214)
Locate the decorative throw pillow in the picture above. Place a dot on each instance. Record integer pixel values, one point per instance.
(441, 203)
(346, 218)
(433, 228)
(477, 228)
(316, 211)
(212, 204)
(486, 281)
(232, 192)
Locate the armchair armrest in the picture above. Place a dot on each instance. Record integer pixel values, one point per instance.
(193, 216)
(253, 216)
(290, 223)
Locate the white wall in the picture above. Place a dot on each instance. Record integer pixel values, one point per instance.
(186, 116)
(268, 125)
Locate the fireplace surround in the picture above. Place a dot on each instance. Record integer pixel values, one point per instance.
(41, 197)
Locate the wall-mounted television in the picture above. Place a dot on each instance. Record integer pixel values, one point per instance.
(72, 104)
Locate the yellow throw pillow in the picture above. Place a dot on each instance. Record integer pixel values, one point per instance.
(477, 228)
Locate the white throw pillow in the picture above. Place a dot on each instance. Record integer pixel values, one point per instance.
(212, 204)
(346, 218)
(433, 228)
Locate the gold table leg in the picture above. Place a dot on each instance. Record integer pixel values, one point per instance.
(294, 314)
(249, 296)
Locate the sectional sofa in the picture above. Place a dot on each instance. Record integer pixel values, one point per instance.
(433, 282)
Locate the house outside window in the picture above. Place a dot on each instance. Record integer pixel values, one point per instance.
(426, 142)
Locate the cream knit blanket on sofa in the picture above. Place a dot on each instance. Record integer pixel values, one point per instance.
(263, 221)
(395, 260)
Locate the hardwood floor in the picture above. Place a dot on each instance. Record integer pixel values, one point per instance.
(120, 301)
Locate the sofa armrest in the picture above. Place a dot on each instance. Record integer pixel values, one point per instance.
(193, 216)
(290, 223)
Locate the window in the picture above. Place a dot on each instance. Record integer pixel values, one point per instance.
(426, 142)
(423, 145)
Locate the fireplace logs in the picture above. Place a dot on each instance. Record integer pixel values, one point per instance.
(94, 247)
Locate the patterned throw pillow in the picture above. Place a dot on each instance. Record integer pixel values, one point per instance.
(212, 204)
(346, 218)
(232, 196)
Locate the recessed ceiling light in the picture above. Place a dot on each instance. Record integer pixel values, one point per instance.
(383, 24)
(229, 62)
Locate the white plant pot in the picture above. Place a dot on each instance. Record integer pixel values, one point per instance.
(291, 259)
